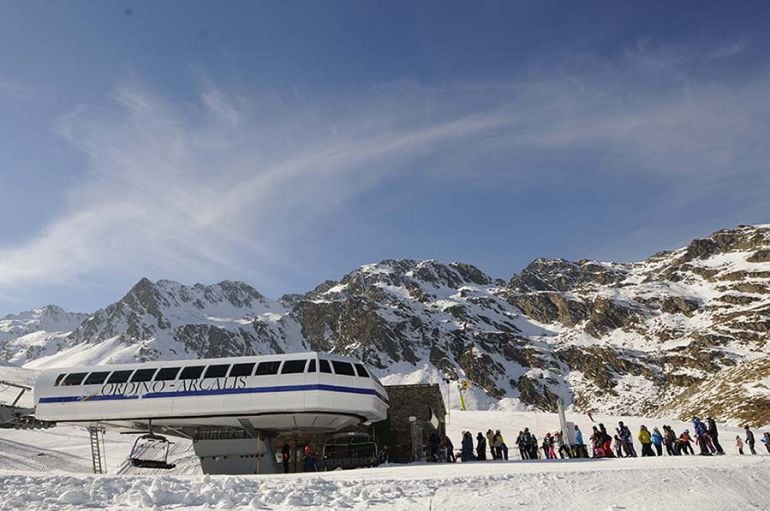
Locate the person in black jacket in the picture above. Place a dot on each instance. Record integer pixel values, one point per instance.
(285, 453)
(481, 447)
(750, 439)
(714, 434)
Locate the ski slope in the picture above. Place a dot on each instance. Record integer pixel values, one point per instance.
(48, 469)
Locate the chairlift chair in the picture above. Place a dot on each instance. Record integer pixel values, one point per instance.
(147, 444)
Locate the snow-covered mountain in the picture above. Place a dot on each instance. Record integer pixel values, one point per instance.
(39, 332)
(683, 330)
(167, 320)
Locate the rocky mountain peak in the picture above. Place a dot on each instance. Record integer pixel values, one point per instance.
(744, 238)
(561, 275)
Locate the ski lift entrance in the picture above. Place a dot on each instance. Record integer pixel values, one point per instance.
(349, 450)
(151, 451)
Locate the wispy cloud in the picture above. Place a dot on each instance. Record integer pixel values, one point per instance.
(14, 89)
(229, 183)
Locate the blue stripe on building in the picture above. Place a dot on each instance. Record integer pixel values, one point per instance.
(219, 392)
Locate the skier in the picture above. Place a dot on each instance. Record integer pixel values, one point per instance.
(739, 444)
(534, 452)
(618, 447)
(546, 446)
(466, 453)
(450, 450)
(674, 444)
(520, 443)
(285, 452)
(606, 441)
(714, 434)
(668, 440)
(657, 441)
(491, 444)
(562, 447)
(309, 460)
(481, 447)
(580, 447)
(684, 443)
(749, 439)
(502, 449)
(766, 441)
(625, 436)
(700, 436)
(384, 455)
(527, 441)
(646, 440)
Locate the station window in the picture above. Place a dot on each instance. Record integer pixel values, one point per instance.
(97, 378)
(74, 379)
(362, 372)
(242, 369)
(293, 366)
(119, 376)
(311, 366)
(265, 368)
(324, 366)
(192, 372)
(167, 373)
(59, 379)
(344, 368)
(217, 371)
(143, 375)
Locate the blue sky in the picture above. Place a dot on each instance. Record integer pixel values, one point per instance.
(285, 143)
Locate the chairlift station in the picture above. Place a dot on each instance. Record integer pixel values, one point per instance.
(231, 408)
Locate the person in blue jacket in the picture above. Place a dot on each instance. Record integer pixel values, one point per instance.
(657, 441)
(700, 435)
(580, 450)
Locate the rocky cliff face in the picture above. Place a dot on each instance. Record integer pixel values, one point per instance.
(632, 338)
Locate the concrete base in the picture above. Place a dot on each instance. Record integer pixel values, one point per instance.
(237, 456)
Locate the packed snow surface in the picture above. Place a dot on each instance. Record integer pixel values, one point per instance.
(48, 470)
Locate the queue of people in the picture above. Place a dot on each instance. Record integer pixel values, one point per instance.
(602, 443)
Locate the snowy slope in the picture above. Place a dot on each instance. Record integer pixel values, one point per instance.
(728, 482)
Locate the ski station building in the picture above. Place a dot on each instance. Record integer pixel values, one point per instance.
(239, 411)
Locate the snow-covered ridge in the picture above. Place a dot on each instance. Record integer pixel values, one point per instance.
(614, 337)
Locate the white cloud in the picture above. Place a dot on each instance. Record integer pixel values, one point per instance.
(230, 183)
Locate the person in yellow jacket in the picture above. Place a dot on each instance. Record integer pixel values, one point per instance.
(491, 443)
(646, 440)
(500, 447)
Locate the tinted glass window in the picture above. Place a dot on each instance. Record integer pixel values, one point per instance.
(343, 368)
(324, 366)
(217, 371)
(192, 373)
(119, 377)
(268, 368)
(293, 366)
(143, 374)
(60, 378)
(167, 373)
(74, 378)
(311, 366)
(362, 372)
(242, 369)
(97, 378)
